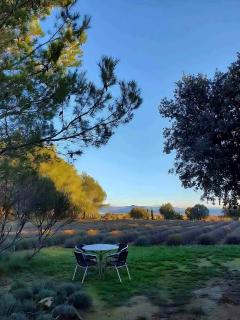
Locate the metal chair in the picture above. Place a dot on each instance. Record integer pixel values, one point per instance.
(84, 261)
(118, 260)
(79, 247)
(121, 246)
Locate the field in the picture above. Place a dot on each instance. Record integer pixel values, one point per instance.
(141, 233)
(178, 271)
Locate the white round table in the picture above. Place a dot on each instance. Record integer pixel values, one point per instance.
(100, 249)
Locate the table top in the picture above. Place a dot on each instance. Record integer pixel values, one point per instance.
(100, 247)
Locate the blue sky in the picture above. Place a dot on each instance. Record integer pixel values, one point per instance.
(156, 41)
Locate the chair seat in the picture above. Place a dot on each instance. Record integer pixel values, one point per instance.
(91, 262)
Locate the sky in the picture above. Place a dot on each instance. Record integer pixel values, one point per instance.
(156, 41)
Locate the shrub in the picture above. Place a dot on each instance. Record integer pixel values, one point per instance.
(7, 304)
(233, 240)
(71, 242)
(80, 300)
(23, 293)
(189, 236)
(206, 239)
(65, 290)
(68, 288)
(64, 311)
(18, 316)
(44, 293)
(44, 317)
(159, 236)
(28, 306)
(174, 239)
(128, 236)
(142, 241)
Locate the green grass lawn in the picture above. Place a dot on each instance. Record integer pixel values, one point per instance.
(164, 274)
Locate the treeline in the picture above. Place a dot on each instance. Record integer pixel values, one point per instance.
(167, 212)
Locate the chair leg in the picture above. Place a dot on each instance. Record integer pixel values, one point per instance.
(118, 274)
(74, 272)
(84, 275)
(128, 273)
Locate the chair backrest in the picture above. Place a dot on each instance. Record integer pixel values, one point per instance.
(80, 257)
(79, 247)
(122, 256)
(122, 245)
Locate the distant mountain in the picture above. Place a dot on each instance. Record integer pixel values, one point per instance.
(126, 209)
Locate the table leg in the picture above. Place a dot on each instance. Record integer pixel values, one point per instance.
(100, 263)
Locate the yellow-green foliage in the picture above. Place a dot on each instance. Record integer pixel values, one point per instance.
(84, 192)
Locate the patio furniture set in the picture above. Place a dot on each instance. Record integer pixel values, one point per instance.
(102, 258)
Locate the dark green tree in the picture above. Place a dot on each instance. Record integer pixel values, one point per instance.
(139, 213)
(205, 133)
(168, 212)
(198, 212)
(233, 212)
(152, 214)
(45, 97)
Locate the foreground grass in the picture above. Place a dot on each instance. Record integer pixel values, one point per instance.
(167, 275)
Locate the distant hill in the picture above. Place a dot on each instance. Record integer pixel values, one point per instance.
(126, 209)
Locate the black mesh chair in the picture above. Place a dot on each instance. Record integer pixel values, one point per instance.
(118, 260)
(122, 245)
(84, 261)
(79, 247)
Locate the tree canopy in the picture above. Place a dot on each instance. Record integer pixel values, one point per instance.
(204, 133)
(198, 212)
(45, 96)
(139, 213)
(85, 194)
(168, 212)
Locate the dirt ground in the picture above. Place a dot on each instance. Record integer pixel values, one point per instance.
(218, 300)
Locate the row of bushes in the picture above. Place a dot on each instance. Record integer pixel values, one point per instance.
(44, 301)
(196, 233)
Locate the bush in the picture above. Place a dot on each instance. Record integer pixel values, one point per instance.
(233, 240)
(44, 317)
(80, 300)
(7, 304)
(18, 316)
(65, 290)
(28, 306)
(71, 242)
(44, 293)
(174, 239)
(206, 240)
(64, 311)
(23, 293)
(142, 241)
